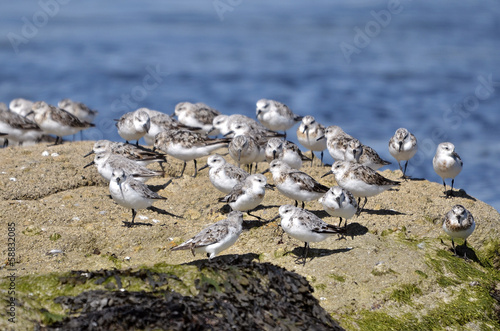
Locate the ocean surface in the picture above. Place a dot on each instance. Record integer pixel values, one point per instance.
(367, 66)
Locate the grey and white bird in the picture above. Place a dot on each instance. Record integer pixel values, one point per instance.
(141, 155)
(336, 141)
(247, 195)
(458, 223)
(187, 145)
(197, 115)
(447, 164)
(275, 115)
(339, 202)
(365, 155)
(133, 125)
(305, 226)
(79, 109)
(311, 135)
(224, 176)
(295, 184)
(360, 180)
(162, 122)
(227, 123)
(216, 237)
(22, 107)
(56, 121)
(403, 146)
(18, 128)
(107, 163)
(131, 193)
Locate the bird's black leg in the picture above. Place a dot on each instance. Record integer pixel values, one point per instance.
(183, 168)
(134, 213)
(312, 158)
(296, 203)
(306, 251)
(257, 217)
(444, 184)
(195, 169)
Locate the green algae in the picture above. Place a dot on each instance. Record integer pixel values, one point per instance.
(404, 293)
(469, 304)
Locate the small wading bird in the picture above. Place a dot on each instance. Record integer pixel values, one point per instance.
(215, 238)
(131, 193)
(458, 223)
(305, 226)
(447, 164)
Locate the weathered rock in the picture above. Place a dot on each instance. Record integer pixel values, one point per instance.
(394, 268)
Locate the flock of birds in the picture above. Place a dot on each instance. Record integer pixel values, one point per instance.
(200, 130)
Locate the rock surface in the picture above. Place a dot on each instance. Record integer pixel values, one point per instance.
(394, 268)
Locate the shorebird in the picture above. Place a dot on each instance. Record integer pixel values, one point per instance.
(215, 238)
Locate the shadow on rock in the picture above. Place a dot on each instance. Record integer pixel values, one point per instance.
(312, 253)
(233, 293)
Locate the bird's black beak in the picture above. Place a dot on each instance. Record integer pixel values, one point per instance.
(319, 138)
(88, 165)
(229, 133)
(204, 167)
(269, 186)
(274, 218)
(328, 173)
(89, 153)
(265, 171)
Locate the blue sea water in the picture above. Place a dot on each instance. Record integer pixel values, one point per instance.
(367, 66)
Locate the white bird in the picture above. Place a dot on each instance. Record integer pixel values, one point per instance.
(458, 223)
(403, 146)
(133, 125)
(244, 149)
(311, 135)
(186, 145)
(215, 238)
(18, 128)
(107, 163)
(285, 151)
(80, 110)
(138, 154)
(447, 164)
(21, 106)
(365, 155)
(305, 226)
(223, 175)
(226, 123)
(339, 202)
(336, 141)
(295, 184)
(56, 121)
(248, 194)
(131, 193)
(275, 115)
(360, 180)
(162, 122)
(197, 115)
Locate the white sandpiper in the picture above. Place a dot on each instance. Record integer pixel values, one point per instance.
(215, 238)
(305, 226)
